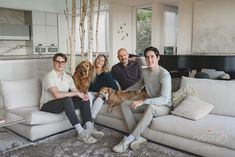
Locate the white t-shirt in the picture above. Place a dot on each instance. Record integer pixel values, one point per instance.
(51, 80)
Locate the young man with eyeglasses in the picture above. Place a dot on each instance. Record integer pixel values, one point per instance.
(60, 94)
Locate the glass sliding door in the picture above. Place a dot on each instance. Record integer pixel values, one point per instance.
(171, 27)
(143, 29)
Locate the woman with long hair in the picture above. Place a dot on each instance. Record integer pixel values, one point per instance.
(101, 77)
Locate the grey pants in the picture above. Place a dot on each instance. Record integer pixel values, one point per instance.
(149, 112)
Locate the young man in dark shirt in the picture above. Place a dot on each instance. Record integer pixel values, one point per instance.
(126, 72)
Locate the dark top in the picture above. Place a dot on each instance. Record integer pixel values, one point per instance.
(104, 79)
(126, 76)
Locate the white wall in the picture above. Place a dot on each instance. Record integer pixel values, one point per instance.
(42, 5)
(214, 27)
(158, 26)
(23, 69)
(120, 23)
(185, 19)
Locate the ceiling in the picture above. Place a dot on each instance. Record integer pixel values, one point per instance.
(144, 2)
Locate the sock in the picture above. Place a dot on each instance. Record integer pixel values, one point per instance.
(89, 125)
(130, 138)
(79, 128)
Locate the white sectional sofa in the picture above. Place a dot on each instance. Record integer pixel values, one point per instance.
(214, 135)
(22, 98)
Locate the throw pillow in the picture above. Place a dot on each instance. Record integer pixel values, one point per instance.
(178, 96)
(193, 108)
(21, 93)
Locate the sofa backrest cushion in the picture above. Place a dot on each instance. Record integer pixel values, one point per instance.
(217, 92)
(21, 93)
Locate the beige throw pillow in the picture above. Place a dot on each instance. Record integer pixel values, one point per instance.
(179, 95)
(193, 108)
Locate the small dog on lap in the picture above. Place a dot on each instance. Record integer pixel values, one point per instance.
(116, 97)
(82, 76)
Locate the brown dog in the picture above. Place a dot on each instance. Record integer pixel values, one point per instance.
(82, 76)
(116, 97)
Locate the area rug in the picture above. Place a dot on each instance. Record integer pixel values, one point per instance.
(66, 145)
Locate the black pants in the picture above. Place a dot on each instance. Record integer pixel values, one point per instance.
(69, 105)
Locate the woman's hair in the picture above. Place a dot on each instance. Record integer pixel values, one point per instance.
(59, 55)
(104, 68)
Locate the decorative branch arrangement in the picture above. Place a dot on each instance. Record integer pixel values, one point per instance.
(90, 30)
(97, 27)
(82, 31)
(72, 35)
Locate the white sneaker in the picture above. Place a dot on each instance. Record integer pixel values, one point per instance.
(96, 133)
(137, 143)
(86, 137)
(122, 146)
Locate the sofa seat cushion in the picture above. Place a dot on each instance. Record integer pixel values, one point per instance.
(116, 113)
(33, 116)
(213, 129)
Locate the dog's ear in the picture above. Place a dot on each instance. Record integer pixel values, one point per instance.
(110, 90)
(91, 68)
(77, 68)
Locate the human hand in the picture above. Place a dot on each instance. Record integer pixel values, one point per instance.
(136, 103)
(85, 97)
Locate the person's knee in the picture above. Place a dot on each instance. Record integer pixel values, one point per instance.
(86, 103)
(150, 108)
(125, 104)
(68, 101)
(161, 111)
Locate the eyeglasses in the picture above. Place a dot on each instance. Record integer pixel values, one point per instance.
(60, 62)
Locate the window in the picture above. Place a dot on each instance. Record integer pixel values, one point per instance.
(143, 29)
(171, 25)
(102, 36)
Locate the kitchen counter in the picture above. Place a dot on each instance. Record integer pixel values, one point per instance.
(22, 57)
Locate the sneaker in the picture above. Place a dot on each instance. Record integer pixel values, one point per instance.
(96, 133)
(86, 137)
(122, 146)
(138, 143)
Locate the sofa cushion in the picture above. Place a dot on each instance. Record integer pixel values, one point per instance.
(116, 113)
(213, 129)
(179, 95)
(217, 92)
(33, 116)
(193, 108)
(21, 93)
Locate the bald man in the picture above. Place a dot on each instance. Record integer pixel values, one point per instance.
(126, 72)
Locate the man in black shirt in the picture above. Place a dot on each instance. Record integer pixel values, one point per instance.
(126, 72)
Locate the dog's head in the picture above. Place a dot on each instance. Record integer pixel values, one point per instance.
(105, 92)
(84, 69)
